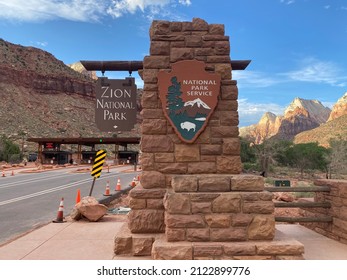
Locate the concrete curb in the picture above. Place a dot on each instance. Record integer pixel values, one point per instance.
(107, 199)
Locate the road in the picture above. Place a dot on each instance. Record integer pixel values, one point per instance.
(28, 200)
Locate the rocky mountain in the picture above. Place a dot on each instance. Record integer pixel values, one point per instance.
(340, 108)
(336, 128)
(300, 115)
(43, 97)
(194, 107)
(78, 67)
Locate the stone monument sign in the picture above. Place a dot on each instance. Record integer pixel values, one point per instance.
(192, 201)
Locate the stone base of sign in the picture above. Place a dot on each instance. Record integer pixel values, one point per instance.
(155, 246)
(205, 216)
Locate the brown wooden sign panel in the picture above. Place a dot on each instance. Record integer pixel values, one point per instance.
(189, 96)
(115, 107)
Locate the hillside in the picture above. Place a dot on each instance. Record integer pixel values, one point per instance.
(43, 97)
(331, 129)
(300, 115)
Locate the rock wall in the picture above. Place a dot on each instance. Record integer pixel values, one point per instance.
(338, 199)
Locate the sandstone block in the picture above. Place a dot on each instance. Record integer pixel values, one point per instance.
(229, 92)
(289, 247)
(228, 234)
(224, 69)
(172, 168)
(187, 153)
(227, 203)
(207, 250)
(178, 54)
(172, 251)
(201, 167)
(224, 131)
(184, 221)
(152, 179)
(155, 204)
(135, 203)
(174, 234)
(241, 219)
(176, 203)
(203, 197)
(198, 234)
(239, 249)
(262, 228)
(160, 48)
(216, 29)
(211, 183)
(229, 164)
(150, 76)
(227, 105)
(140, 193)
(164, 157)
(222, 48)
(153, 126)
(199, 24)
(149, 100)
(156, 62)
(218, 220)
(123, 245)
(156, 143)
(211, 149)
(147, 161)
(90, 208)
(201, 207)
(258, 207)
(146, 221)
(247, 183)
(152, 113)
(142, 246)
(159, 27)
(184, 183)
(193, 41)
(231, 146)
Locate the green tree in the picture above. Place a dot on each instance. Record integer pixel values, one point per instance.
(307, 156)
(174, 100)
(247, 151)
(7, 148)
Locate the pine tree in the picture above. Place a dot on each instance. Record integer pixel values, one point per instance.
(174, 100)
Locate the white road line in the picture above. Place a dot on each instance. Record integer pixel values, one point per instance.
(29, 181)
(48, 191)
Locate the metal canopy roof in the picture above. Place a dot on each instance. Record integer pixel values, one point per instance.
(87, 141)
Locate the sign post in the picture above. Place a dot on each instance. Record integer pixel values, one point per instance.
(115, 107)
(97, 167)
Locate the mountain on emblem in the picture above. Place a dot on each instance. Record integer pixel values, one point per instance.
(189, 95)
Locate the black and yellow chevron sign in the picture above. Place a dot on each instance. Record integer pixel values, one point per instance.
(98, 162)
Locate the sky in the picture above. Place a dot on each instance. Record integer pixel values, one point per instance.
(298, 48)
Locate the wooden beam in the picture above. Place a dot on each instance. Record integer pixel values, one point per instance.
(299, 189)
(135, 65)
(324, 219)
(302, 204)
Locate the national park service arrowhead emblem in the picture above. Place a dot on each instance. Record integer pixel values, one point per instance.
(189, 96)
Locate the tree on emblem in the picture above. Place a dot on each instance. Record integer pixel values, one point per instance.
(173, 98)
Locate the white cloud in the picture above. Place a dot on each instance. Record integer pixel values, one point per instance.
(317, 71)
(83, 10)
(250, 113)
(255, 79)
(287, 2)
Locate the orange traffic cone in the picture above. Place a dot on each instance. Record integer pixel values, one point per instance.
(60, 215)
(138, 177)
(78, 196)
(133, 183)
(3, 173)
(118, 186)
(107, 191)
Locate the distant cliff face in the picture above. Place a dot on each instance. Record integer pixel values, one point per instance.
(300, 115)
(339, 109)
